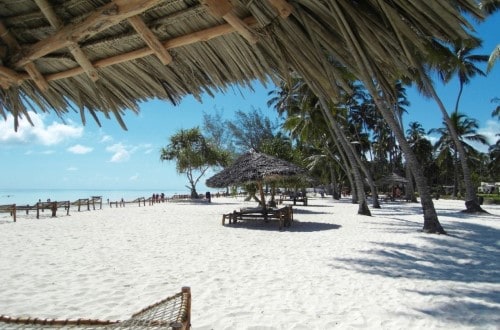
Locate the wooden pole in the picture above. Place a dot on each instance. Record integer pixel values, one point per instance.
(262, 198)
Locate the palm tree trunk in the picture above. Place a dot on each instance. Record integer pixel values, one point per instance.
(471, 201)
(354, 196)
(344, 167)
(360, 190)
(334, 185)
(365, 70)
(460, 90)
(431, 222)
(367, 174)
(410, 189)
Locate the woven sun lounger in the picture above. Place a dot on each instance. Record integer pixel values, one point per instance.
(171, 313)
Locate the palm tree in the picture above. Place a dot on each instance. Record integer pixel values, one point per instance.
(345, 30)
(462, 64)
(494, 150)
(298, 98)
(440, 55)
(466, 128)
(422, 147)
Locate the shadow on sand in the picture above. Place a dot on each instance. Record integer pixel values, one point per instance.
(272, 225)
(469, 257)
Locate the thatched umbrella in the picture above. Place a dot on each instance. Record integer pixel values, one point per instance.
(257, 168)
(391, 179)
(109, 55)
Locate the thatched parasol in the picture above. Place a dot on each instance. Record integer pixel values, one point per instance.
(109, 55)
(254, 167)
(392, 178)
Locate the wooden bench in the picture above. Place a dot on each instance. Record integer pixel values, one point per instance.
(300, 199)
(284, 215)
(11, 208)
(42, 206)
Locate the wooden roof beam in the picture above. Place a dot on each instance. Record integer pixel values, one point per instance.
(29, 66)
(74, 48)
(9, 77)
(283, 8)
(199, 36)
(100, 20)
(150, 39)
(224, 9)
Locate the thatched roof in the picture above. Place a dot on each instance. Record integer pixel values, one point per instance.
(391, 178)
(254, 167)
(109, 55)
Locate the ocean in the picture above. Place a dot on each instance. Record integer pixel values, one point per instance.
(31, 196)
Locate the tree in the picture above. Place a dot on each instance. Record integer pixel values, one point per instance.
(494, 151)
(462, 64)
(215, 129)
(194, 155)
(298, 98)
(249, 129)
(466, 129)
(422, 147)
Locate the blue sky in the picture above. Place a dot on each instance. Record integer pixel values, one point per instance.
(68, 155)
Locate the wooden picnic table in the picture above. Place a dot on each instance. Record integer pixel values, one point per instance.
(284, 215)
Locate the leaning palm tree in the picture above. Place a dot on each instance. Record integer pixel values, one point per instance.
(437, 60)
(462, 63)
(296, 97)
(466, 129)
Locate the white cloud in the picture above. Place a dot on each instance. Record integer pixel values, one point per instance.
(79, 149)
(433, 139)
(120, 153)
(134, 177)
(40, 133)
(490, 131)
(106, 138)
(148, 148)
(72, 169)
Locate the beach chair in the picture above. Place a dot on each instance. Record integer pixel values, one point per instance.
(170, 313)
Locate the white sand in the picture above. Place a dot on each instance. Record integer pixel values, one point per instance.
(332, 269)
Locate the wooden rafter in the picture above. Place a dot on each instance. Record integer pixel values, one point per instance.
(283, 8)
(199, 36)
(100, 20)
(224, 9)
(9, 77)
(74, 48)
(150, 39)
(28, 66)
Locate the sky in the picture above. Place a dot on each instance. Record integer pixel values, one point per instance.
(67, 155)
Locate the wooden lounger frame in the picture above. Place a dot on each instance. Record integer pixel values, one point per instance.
(171, 313)
(284, 215)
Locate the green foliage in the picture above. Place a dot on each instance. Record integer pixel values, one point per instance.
(193, 154)
(250, 129)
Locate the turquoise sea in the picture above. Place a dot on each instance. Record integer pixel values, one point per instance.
(31, 196)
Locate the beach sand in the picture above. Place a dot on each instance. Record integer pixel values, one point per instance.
(331, 269)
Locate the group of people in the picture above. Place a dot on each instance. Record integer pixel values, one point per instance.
(158, 198)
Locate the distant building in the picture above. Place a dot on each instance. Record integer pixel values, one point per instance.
(489, 188)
